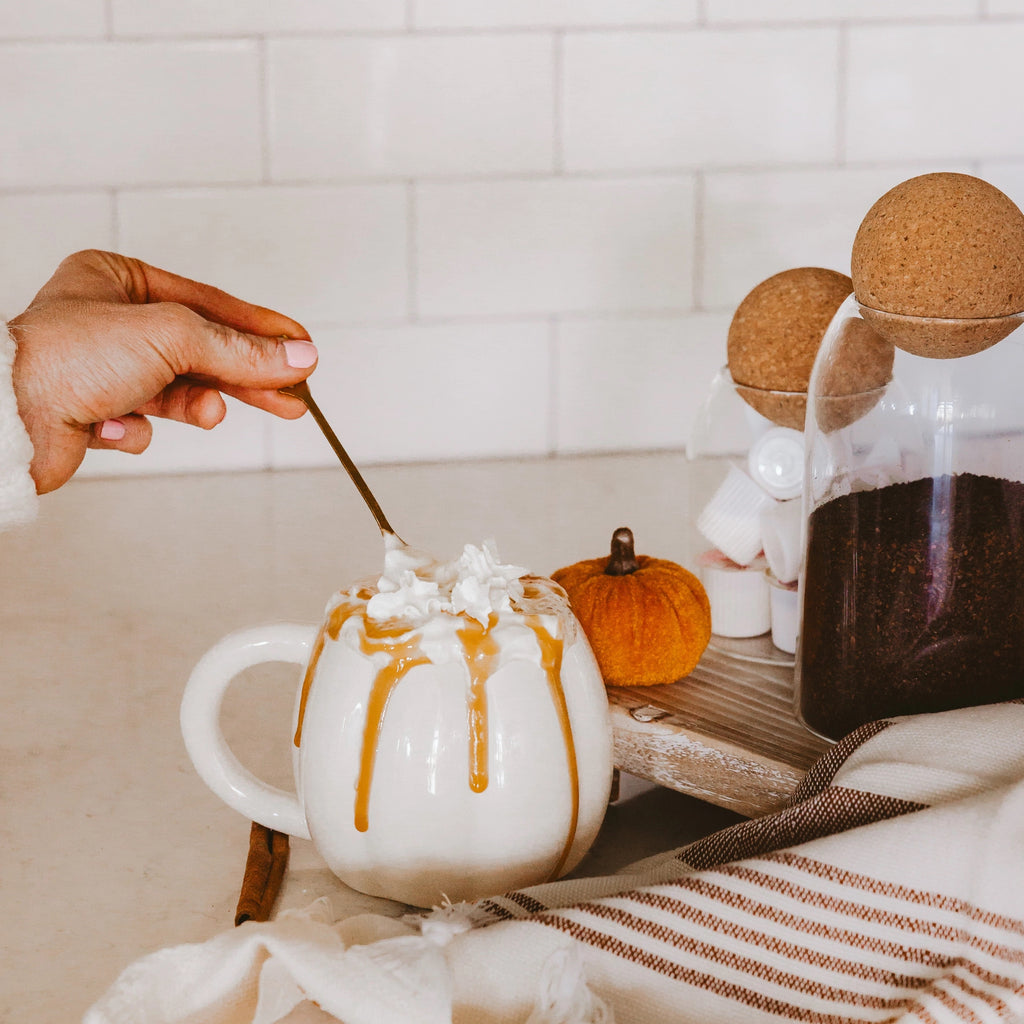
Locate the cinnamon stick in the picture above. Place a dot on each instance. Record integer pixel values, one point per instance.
(264, 870)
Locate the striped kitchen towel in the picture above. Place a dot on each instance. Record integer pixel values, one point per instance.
(892, 889)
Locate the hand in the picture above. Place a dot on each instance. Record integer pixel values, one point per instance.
(109, 341)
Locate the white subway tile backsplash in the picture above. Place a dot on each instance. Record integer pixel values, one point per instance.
(558, 200)
(38, 231)
(635, 383)
(935, 92)
(757, 11)
(756, 225)
(121, 113)
(334, 254)
(426, 105)
(49, 19)
(425, 392)
(554, 245)
(240, 441)
(682, 99)
(551, 13)
(1008, 176)
(244, 17)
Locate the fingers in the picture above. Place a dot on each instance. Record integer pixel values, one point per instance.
(213, 304)
(108, 276)
(200, 405)
(110, 341)
(272, 401)
(220, 354)
(192, 328)
(187, 401)
(131, 433)
(203, 406)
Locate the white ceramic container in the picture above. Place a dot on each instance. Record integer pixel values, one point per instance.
(449, 760)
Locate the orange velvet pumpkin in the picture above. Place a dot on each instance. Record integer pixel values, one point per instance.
(647, 619)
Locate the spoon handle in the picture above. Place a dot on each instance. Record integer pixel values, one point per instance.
(302, 393)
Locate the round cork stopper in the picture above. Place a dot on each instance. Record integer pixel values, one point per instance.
(783, 408)
(942, 246)
(852, 374)
(774, 337)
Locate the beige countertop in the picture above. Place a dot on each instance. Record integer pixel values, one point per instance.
(111, 845)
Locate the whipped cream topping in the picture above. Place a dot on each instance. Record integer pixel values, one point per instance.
(416, 587)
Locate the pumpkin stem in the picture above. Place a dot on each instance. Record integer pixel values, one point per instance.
(623, 558)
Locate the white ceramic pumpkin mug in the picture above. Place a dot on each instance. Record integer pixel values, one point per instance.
(456, 759)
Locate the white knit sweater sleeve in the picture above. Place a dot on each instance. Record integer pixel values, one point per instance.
(18, 500)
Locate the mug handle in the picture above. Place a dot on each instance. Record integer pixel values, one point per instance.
(200, 722)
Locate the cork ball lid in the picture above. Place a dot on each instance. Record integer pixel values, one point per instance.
(775, 334)
(943, 246)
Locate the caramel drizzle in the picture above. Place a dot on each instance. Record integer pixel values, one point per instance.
(332, 627)
(482, 653)
(551, 650)
(404, 657)
(307, 681)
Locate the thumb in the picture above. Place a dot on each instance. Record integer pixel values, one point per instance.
(250, 367)
(151, 284)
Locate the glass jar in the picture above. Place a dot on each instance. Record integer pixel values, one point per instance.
(912, 587)
(746, 456)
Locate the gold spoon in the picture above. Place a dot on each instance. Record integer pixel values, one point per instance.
(302, 393)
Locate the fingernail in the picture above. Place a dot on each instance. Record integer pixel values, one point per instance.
(112, 430)
(300, 354)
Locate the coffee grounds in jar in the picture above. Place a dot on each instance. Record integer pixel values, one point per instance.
(913, 601)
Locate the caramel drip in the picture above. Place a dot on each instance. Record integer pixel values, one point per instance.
(482, 659)
(481, 652)
(403, 657)
(307, 681)
(551, 649)
(331, 626)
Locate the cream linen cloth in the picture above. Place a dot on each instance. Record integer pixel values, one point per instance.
(891, 890)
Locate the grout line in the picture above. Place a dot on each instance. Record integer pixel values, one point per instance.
(842, 92)
(483, 320)
(412, 254)
(558, 99)
(897, 21)
(699, 241)
(554, 366)
(497, 178)
(700, 25)
(263, 93)
(115, 220)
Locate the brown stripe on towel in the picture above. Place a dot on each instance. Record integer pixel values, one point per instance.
(528, 903)
(937, 965)
(701, 979)
(823, 771)
(835, 810)
(854, 880)
(859, 942)
(523, 905)
(490, 907)
(904, 923)
(941, 970)
(798, 954)
(995, 1002)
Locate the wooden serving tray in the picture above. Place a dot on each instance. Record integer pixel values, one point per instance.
(726, 734)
